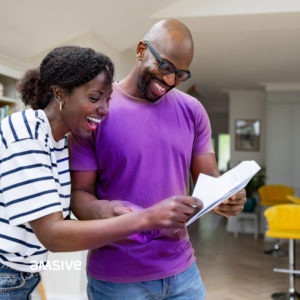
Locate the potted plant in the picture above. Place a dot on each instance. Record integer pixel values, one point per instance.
(253, 185)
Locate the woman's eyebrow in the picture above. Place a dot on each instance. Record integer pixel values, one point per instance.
(96, 91)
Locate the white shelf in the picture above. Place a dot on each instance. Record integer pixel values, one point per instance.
(7, 101)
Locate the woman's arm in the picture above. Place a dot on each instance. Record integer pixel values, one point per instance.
(59, 235)
(85, 205)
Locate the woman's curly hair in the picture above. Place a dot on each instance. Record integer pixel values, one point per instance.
(67, 67)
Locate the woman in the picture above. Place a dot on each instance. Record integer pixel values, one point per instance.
(70, 91)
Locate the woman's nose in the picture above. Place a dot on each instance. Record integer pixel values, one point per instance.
(103, 109)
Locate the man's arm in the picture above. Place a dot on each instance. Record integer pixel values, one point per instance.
(85, 205)
(206, 164)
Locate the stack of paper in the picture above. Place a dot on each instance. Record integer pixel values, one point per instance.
(213, 191)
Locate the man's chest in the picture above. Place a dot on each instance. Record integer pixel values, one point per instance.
(130, 133)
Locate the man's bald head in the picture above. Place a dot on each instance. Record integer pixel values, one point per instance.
(171, 33)
(167, 26)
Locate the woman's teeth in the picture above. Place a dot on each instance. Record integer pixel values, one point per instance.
(94, 120)
(159, 87)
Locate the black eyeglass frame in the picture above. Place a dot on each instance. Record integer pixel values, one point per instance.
(161, 61)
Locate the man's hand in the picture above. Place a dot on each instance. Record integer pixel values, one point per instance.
(232, 206)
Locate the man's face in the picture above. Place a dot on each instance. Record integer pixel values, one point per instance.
(154, 84)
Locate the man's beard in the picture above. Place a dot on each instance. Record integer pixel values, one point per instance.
(144, 82)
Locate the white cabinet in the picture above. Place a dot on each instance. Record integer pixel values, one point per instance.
(283, 139)
(295, 145)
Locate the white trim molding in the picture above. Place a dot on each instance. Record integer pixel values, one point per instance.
(12, 68)
(60, 296)
(280, 86)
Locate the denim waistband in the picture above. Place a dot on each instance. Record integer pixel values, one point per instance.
(2, 266)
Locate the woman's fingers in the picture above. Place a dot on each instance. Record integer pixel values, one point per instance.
(191, 201)
(174, 212)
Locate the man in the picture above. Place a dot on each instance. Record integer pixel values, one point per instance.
(142, 153)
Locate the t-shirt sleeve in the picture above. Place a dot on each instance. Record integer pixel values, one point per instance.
(28, 187)
(202, 142)
(82, 153)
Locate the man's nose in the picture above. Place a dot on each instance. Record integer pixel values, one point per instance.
(169, 79)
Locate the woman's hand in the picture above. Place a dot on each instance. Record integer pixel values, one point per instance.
(109, 209)
(172, 213)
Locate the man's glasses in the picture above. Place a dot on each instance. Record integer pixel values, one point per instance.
(167, 68)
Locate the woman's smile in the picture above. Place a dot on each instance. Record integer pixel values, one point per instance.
(93, 123)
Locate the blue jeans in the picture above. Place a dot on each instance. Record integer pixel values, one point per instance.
(187, 285)
(17, 285)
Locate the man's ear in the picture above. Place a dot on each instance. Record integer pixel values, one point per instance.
(141, 50)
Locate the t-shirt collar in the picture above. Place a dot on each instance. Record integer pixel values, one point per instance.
(135, 99)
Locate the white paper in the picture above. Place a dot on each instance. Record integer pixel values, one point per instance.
(213, 191)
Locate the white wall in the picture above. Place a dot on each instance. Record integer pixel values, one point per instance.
(123, 61)
(248, 105)
(65, 284)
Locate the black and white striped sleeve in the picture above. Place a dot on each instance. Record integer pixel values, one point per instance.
(28, 187)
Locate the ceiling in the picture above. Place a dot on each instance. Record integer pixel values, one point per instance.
(238, 43)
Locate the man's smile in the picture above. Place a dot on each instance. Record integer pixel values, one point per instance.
(158, 88)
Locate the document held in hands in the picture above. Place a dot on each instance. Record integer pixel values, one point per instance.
(213, 191)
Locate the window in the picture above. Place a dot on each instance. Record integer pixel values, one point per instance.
(223, 151)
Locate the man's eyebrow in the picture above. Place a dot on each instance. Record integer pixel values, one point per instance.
(172, 64)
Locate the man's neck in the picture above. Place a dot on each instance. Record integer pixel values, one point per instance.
(130, 84)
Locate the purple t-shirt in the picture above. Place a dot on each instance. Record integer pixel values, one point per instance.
(143, 152)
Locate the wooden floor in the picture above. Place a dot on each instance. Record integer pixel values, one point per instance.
(236, 268)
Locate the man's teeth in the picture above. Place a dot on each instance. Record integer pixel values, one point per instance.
(159, 87)
(94, 120)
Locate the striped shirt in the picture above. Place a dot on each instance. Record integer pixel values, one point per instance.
(34, 182)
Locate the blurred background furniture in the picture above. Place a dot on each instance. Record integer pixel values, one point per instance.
(42, 291)
(248, 220)
(294, 199)
(271, 195)
(246, 215)
(284, 222)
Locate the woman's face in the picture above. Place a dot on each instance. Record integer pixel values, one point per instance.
(86, 106)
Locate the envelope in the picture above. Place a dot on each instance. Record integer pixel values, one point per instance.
(213, 191)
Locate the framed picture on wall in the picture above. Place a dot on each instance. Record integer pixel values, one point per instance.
(247, 135)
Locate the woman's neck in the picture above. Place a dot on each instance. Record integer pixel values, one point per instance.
(54, 115)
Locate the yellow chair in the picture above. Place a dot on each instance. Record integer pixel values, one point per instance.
(274, 195)
(294, 199)
(284, 223)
